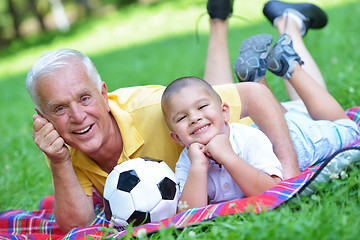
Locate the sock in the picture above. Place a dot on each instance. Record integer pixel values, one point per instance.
(295, 15)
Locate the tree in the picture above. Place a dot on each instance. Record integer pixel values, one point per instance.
(15, 18)
(37, 14)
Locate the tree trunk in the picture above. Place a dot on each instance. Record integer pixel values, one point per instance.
(15, 17)
(38, 16)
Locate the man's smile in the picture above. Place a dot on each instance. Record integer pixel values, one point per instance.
(85, 130)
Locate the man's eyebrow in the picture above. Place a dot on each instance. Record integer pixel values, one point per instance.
(80, 94)
(53, 104)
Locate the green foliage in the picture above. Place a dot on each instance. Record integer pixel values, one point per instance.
(155, 44)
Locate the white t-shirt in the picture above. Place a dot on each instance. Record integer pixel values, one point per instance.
(251, 145)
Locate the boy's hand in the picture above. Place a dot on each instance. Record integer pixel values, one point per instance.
(219, 149)
(197, 155)
(48, 140)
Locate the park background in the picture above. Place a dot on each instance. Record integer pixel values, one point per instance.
(155, 42)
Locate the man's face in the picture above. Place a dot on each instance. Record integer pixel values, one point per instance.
(76, 108)
(196, 116)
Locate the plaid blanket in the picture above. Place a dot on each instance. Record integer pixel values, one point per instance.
(19, 224)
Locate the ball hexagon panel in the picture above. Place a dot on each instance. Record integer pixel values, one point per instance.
(163, 210)
(110, 184)
(145, 196)
(128, 165)
(150, 171)
(121, 204)
(167, 171)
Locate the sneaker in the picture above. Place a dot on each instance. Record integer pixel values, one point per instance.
(250, 66)
(336, 166)
(282, 58)
(312, 16)
(220, 9)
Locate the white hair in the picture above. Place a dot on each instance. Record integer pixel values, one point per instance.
(54, 60)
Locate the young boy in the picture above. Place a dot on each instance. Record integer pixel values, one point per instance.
(317, 131)
(221, 161)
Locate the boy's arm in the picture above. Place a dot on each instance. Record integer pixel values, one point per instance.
(258, 103)
(250, 180)
(195, 188)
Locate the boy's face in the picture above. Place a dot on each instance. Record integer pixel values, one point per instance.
(194, 115)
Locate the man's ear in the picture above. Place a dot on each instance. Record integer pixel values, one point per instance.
(104, 93)
(176, 138)
(226, 112)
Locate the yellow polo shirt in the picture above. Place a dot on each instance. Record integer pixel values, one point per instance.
(137, 111)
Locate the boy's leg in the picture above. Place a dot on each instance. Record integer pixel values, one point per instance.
(320, 104)
(295, 19)
(250, 66)
(284, 62)
(310, 65)
(217, 66)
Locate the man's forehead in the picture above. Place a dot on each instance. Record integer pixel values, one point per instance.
(60, 98)
(57, 92)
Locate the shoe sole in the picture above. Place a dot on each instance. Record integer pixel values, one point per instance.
(317, 18)
(282, 58)
(250, 66)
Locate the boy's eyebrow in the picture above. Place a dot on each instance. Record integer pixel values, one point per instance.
(174, 116)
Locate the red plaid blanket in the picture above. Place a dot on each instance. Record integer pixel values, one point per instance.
(19, 224)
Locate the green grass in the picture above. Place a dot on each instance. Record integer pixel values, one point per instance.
(155, 44)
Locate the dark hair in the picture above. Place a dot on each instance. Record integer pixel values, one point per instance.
(180, 83)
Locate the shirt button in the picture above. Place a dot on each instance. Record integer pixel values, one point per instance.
(222, 173)
(226, 186)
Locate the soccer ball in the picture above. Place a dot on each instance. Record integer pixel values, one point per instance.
(140, 191)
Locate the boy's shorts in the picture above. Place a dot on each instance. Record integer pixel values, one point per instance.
(314, 140)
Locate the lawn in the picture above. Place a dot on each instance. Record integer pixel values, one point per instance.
(156, 44)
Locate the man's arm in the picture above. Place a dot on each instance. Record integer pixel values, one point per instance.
(72, 208)
(258, 103)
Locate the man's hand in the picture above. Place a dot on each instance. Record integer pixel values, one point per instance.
(48, 140)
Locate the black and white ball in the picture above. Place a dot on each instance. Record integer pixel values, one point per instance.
(140, 191)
